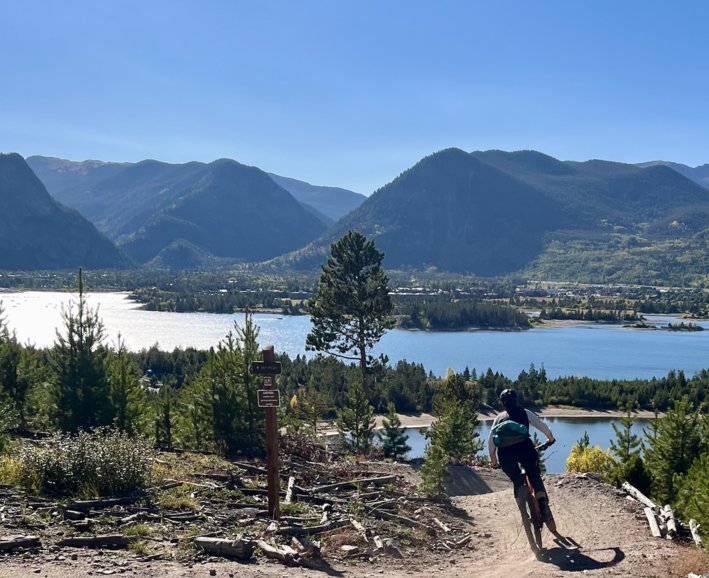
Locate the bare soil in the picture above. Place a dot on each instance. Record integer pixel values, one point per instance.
(610, 530)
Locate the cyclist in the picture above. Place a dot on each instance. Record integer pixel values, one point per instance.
(513, 446)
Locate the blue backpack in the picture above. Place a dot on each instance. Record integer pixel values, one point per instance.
(508, 433)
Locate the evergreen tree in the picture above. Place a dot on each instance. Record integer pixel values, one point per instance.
(81, 393)
(675, 442)
(248, 349)
(455, 405)
(394, 438)
(126, 394)
(223, 397)
(434, 470)
(16, 369)
(355, 421)
(693, 494)
(164, 416)
(627, 444)
(352, 309)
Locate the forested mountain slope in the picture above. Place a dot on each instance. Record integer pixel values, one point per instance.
(495, 212)
(36, 232)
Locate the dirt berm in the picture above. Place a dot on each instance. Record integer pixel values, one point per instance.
(611, 533)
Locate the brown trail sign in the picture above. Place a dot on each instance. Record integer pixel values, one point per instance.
(269, 398)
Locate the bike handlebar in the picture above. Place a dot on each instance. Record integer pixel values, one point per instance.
(545, 445)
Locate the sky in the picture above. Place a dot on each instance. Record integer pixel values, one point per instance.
(351, 94)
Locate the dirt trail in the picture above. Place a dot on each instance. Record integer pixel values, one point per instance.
(611, 531)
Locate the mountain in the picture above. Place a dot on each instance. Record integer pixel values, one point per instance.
(698, 174)
(119, 198)
(496, 212)
(36, 232)
(229, 211)
(333, 202)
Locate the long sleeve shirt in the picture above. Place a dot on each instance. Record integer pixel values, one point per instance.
(533, 420)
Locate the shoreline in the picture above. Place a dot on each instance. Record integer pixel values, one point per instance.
(425, 420)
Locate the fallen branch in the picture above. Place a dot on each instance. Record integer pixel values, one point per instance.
(670, 521)
(362, 482)
(103, 503)
(7, 544)
(308, 530)
(654, 526)
(640, 497)
(105, 541)
(240, 549)
(400, 519)
(285, 557)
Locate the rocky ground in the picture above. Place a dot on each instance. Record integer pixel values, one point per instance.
(380, 527)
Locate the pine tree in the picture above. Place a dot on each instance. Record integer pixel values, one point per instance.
(352, 309)
(164, 412)
(434, 470)
(455, 406)
(627, 444)
(673, 445)
(355, 421)
(126, 394)
(81, 393)
(394, 438)
(693, 494)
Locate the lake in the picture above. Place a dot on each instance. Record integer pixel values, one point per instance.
(599, 351)
(593, 350)
(567, 432)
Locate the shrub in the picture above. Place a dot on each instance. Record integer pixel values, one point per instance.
(588, 459)
(103, 462)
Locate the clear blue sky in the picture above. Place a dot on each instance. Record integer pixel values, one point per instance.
(352, 93)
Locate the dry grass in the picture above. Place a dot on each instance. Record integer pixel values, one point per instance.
(691, 560)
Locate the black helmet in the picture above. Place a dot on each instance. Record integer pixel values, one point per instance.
(508, 397)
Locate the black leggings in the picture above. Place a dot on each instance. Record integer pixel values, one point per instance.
(521, 453)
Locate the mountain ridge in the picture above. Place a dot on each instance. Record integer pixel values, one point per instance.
(37, 232)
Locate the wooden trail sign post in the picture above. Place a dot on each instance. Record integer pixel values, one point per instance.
(269, 399)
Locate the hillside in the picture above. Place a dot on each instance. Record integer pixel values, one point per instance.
(611, 534)
(333, 202)
(495, 212)
(230, 211)
(698, 174)
(36, 232)
(119, 198)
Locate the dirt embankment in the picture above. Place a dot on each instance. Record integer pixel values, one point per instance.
(610, 533)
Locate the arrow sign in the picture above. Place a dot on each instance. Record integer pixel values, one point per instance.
(266, 367)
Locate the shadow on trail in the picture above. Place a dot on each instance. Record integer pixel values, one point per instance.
(573, 560)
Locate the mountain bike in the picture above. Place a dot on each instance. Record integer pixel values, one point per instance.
(531, 514)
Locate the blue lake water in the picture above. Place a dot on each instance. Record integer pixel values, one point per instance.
(598, 351)
(567, 432)
(593, 350)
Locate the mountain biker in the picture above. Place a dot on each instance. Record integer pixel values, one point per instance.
(513, 446)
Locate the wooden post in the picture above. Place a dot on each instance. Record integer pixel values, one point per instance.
(269, 382)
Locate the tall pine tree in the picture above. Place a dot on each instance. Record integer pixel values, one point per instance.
(81, 391)
(352, 309)
(674, 443)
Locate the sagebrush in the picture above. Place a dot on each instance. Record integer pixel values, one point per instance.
(103, 462)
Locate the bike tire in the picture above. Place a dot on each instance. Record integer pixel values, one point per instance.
(531, 529)
(535, 522)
